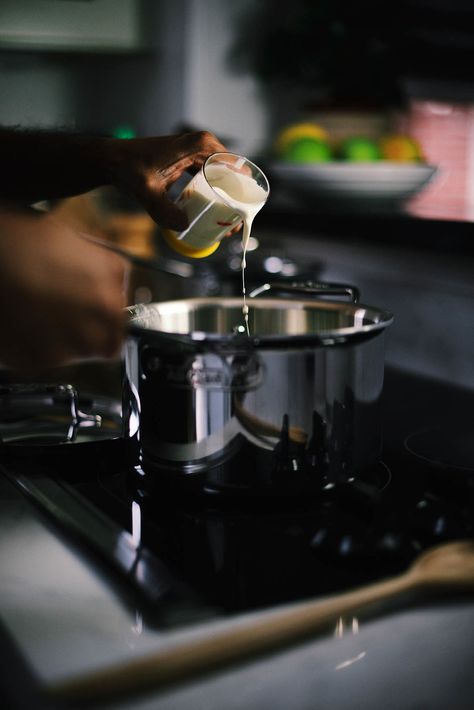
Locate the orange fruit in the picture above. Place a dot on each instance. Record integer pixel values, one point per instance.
(400, 148)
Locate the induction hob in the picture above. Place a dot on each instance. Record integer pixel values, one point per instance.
(185, 557)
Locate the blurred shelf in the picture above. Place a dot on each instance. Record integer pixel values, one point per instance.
(397, 228)
(73, 26)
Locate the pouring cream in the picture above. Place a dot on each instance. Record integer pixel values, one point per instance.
(246, 197)
(220, 196)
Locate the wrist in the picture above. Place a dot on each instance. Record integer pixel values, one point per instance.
(101, 156)
(110, 159)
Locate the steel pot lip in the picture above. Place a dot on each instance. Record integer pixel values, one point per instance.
(379, 320)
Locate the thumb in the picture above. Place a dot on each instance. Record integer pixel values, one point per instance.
(166, 213)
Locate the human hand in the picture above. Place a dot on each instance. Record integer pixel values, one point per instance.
(61, 297)
(148, 167)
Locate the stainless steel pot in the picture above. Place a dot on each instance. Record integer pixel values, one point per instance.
(305, 385)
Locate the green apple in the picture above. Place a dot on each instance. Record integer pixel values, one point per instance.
(308, 150)
(360, 149)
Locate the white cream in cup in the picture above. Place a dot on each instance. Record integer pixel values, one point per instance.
(229, 189)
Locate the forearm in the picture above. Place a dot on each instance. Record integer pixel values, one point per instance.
(61, 297)
(40, 165)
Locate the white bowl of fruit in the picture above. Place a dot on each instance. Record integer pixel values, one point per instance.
(359, 172)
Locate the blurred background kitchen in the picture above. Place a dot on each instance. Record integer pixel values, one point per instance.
(380, 193)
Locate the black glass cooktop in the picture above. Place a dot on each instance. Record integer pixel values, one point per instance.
(179, 554)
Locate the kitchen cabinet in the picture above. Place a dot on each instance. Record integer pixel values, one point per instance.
(72, 25)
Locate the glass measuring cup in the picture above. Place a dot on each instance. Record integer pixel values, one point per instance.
(228, 189)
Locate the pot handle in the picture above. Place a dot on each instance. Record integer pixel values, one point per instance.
(309, 288)
(23, 405)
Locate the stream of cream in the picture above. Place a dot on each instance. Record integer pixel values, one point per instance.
(247, 198)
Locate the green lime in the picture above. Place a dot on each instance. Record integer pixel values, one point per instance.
(294, 132)
(360, 149)
(308, 150)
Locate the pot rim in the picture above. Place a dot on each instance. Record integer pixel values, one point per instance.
(380, 320)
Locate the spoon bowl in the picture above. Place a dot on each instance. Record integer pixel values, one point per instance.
(449, 565)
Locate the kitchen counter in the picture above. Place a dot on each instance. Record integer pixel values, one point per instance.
(394, 229)
(66, 617)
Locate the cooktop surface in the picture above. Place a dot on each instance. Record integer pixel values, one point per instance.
(187, 556)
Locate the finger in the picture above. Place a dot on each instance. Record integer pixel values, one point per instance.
(166, 213)
(234, 230)
(171, 173)
(197, 147)
(201, 142)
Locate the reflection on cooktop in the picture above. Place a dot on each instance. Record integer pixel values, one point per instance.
(246, 554)
(230, 554)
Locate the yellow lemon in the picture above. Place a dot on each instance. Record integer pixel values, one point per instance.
(401, 148)
(296, 131)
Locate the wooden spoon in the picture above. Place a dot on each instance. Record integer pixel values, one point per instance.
(447, 568)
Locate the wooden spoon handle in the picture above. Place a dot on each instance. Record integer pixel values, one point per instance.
(189, 659)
